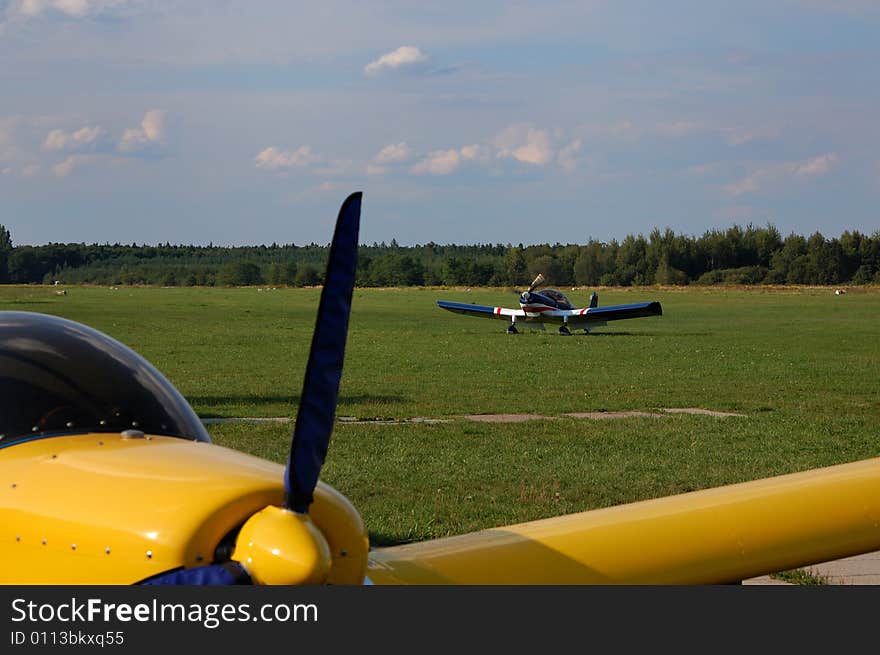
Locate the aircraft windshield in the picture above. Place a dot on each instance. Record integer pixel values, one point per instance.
(558, 296)
(61, 377)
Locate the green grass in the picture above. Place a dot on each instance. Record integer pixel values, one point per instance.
(800, 577)
(800, 363)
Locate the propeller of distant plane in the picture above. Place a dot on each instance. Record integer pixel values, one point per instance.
(539, 280)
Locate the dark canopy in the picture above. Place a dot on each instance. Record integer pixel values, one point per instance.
(61, 377)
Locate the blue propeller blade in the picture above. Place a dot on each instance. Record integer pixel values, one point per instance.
(317, 408)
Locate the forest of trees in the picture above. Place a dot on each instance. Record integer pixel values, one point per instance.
(750, 255)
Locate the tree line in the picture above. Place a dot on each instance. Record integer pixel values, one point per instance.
(737, 255)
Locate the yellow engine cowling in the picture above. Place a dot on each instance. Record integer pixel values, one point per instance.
(111, 509)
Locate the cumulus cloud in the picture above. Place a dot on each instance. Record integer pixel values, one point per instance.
(526, 144)
(438, 162)
(472, 152)
(65, 168)
(393, 153)
(567, 157)
(817, 165)
(148, 136)
(405, 57)
(272, 158)
(740, 136)
(748, 184)
(763, 176)
(520, 142)
(86, 138)
(27, 9)
(444, 162)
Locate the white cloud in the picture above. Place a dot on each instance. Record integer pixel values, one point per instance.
(443, 162)
(473, 152)
(525, 144)
(817, 165)
(150, 134)
(748, 184)
(272, 158)
(393, 153)
(740, 136)
(438, 162)
(567, 157)
(30, 170)
(520, 142)
(776, 174)
(405, 57)
(65, 168)
(85, 138)
(26, 9)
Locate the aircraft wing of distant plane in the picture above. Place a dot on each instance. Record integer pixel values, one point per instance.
(617, 312)
(585, 318)
(480, 310)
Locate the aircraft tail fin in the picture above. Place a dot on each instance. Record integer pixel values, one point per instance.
(594, 300)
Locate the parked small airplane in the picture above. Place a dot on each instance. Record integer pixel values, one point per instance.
(551, 306)
(107, 476)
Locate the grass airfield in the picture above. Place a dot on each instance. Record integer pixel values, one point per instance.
(801, 365)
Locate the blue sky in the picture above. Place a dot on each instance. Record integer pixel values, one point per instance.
(493, 122)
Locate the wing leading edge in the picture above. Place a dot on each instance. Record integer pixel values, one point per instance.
(479, 310)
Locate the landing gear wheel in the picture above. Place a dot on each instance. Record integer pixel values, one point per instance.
(511, 329)
(564, 331)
